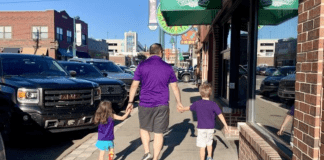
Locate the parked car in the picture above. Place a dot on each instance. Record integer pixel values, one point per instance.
(126, 69)
(261, 71)
(39, 95)
(110, 68)
(132, 68)
(270, 71)
(112, 90)
(2, 149)
(286, 89)
(186, 74)
(271, 83)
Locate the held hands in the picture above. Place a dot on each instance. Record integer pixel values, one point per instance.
(180, 108)
(129, 107)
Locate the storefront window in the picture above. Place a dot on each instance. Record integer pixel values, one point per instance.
(275, 80)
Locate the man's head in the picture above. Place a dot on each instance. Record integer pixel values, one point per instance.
(156, 49)
(205, 90)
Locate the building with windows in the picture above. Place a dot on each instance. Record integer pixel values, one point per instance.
(115, 46)
(98, 48)
(47, 32)
(131, 42)
(266, 50)
(285, 53)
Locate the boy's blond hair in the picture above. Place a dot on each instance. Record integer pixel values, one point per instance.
(205, 90)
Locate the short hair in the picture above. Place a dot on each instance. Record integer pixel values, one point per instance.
(205, 90)
(155, 49)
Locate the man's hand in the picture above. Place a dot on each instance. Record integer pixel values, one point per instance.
(130, 106)
(180, 107)
(279, 133)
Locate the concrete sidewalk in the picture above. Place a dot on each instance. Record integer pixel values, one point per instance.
(179, 142)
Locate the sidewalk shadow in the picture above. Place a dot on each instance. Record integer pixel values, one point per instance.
(176, 135)
(131, 148)
(190, 90)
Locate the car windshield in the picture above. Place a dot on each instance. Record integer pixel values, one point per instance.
(107, 66)
(282, 72)
(34, 66)
(262, 69)
(83, 70)
(122, 67)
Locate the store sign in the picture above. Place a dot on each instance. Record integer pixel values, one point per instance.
(78, 34)
(152, 15)
(172, 30)
(189, 37)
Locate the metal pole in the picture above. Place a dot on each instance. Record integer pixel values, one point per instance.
(74, 36)
(252, 57)
(177, 56)
(160, 35)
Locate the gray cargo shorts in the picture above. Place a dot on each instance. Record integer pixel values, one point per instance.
(154, 119)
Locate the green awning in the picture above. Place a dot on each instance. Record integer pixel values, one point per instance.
(274, 12)
(188, 12)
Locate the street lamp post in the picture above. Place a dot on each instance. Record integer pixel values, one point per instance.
(74, 38)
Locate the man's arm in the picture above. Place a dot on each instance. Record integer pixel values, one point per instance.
(176, 92)
(132, 93)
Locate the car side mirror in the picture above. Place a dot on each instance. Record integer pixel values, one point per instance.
(105, 74)
(73, 73)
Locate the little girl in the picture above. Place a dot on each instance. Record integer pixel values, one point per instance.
(105, 118)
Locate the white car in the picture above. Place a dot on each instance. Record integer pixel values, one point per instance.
(132, 67)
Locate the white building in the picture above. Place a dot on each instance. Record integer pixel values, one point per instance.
(115, 46)
(266, 50)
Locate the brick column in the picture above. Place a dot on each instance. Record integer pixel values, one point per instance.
(308, 80)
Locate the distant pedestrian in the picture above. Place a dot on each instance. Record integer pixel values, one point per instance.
(206, 111)
(155, 75)
(105, 117)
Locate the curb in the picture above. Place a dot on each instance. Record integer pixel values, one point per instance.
(89, 136)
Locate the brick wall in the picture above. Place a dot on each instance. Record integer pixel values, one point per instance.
(253, 147)
(308, 80)
(21, 24)
(232, 119)
(265, 60)
(118, 59)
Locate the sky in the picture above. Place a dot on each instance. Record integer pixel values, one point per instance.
(111, 18)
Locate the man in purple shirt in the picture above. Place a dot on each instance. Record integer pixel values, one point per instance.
(155, 75)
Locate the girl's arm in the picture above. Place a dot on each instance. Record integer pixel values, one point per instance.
(221, 117)
(121, 118)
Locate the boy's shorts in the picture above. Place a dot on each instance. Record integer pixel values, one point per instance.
(205, 137)
(105, 145)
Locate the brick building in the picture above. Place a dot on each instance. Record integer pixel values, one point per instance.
(285, 54)
(43, 32)
(98, 48)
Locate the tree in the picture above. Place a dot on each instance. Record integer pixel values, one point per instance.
(141, 57)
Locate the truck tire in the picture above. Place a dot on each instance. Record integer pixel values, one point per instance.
(186, 78)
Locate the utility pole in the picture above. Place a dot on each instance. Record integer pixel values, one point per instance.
(74, 37)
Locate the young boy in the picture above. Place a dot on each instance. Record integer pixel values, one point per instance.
(206, 110)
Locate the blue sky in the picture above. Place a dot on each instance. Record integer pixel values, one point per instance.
(119, 16)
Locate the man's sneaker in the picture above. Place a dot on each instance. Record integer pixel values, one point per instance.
(147, 156)
(209, 158)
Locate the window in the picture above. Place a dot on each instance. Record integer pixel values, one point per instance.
(5, 32)
(267, 44)
(261, 50)
(112, 44)
(269, 54)
(40, 32)
(84, 40)
(269, 50)
(69, 36)
(59, 33)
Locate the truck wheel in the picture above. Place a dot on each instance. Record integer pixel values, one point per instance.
(186, 78)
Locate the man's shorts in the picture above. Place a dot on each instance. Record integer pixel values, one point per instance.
(205, 137)
(155, 119)
(105, 145)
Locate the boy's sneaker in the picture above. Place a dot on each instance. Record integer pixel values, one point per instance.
(147, 156)
(209, 158)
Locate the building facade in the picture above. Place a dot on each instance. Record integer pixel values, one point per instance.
(116, 46)
(42, 32)
(285, 54)
(266, 51)
(131, 42)
(98, 48)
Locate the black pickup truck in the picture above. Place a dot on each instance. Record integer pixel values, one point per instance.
(37, 94)
(112, 90)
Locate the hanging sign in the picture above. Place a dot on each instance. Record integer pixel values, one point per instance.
(189, 37)
(172, 30)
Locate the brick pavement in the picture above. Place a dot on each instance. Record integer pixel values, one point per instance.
(179, 142)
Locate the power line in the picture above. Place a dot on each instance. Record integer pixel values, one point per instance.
(33, 1)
